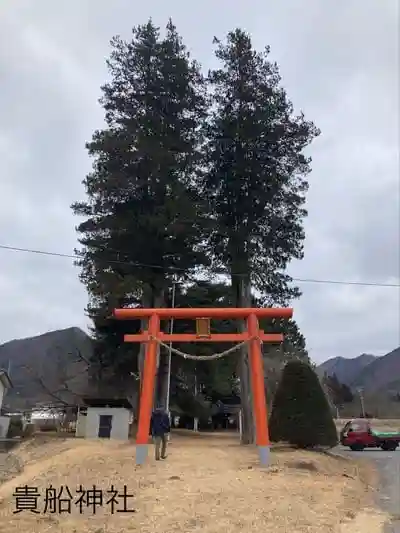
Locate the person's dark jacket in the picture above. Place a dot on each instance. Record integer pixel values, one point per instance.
(160, 424)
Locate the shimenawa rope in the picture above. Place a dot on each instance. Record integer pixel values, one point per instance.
(211, 357)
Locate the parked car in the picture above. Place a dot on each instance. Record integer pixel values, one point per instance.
(358, 435)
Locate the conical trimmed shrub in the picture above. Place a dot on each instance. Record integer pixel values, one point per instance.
(300, 413)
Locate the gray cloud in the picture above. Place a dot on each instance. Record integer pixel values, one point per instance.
(339, 63)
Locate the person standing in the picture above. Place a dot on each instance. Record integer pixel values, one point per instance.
(160, 427)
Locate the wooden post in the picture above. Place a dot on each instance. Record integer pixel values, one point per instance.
(240, 425)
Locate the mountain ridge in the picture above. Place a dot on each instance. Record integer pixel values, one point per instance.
(345, 369)
(369, 372)
(46, 368)
(379, 374)
(41, 336)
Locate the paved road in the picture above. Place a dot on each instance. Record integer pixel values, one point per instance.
(388, 465)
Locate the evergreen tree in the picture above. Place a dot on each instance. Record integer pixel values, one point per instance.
(142, 221)
(301, 414)
(294, 342)
(256, 183)
(339, 393)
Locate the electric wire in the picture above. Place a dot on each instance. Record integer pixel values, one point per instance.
(77, 257)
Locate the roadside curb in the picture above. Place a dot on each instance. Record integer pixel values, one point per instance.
(336, 455)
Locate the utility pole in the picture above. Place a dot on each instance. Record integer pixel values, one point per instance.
(360, 393)
(171, 330)
(196, 420)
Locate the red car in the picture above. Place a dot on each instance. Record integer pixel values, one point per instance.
(358, 435)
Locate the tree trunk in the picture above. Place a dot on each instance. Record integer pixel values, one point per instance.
(158, 301)
(162, 378)
(242, 295)
(196, 420)
(146, 303)
(151, 298)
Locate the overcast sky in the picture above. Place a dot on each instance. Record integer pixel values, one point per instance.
(340, 64)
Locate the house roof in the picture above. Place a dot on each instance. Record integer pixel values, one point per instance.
(107, 402)
(5, 379)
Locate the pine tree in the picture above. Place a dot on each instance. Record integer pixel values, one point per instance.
(301, 414)
(142, 222)
(256, 182)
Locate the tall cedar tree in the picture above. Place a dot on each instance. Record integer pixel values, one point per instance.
(301, 414)
(142, 204)
(256, 182)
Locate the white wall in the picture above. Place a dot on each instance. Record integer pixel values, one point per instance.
(80, 430)
(1, 394)
(120, 422)
(4, 423)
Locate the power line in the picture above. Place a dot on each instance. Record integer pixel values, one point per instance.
(144, 265)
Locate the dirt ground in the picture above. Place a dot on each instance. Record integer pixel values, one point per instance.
(208, 484)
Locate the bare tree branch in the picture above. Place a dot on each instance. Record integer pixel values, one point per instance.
(62, 379)
(40, 381)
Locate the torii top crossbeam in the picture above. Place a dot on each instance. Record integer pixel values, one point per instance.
(214, 312)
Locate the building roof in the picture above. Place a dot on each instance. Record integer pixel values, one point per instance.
(107, 402)
(5, 379)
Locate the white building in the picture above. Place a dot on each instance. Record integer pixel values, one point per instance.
(5, 384)
(104, 419)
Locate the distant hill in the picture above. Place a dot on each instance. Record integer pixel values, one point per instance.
(46, 368)
(383, 374)
(346, 370)
(373, 374)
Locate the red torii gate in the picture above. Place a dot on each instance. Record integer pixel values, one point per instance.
(254, 336)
